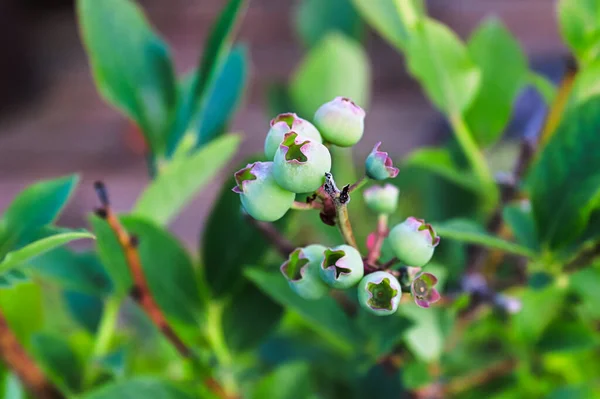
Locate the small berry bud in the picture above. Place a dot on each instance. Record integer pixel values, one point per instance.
(261, 196)
(382, 199)
(413, 241)
(379, 293)
(301, 270)
(300, 164)
(379, 165)
(285, 123)
(341, 122)
(422, 289)
(342, 267)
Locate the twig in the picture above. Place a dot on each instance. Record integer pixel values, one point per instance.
(340, 198)
(268, 230)
(363, 180)
(380, 234)
(306, 206)
(390, 263)
(15, 357)
(140, 291)
(480, 377)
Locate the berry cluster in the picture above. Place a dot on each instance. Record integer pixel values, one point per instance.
(300, 165)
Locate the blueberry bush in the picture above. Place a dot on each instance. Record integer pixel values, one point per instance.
(316, 275)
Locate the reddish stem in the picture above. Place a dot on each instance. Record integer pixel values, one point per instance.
(380, 234)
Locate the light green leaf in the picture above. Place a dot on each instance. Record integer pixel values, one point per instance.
(290, 381)
(140, 387)
(440, 162)
(587, 83)
(564, 182)
(425, 338)
(314, 19)
(181, 179)
(440, 61)
(470, 232)
(539, 308)
(131, 65)
(23, 299)
(580, 27)
(12, 388)
(22, 256)
(490, 46)
(543, 85)
(336, 66)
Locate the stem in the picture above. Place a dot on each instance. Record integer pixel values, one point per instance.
(380, 234)
(359, 184)
(214, 335)
(390, 263)
(104, 337)
(268, 230)
(306, 206)
(343, 223)
(470, 149)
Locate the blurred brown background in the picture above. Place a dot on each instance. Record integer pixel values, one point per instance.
(52, 121)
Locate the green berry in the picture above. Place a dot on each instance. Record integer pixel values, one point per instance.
(285, 123)
(382, 199)
(342, 267)
(300, 164)
(301, 270)
(413, 241)
(379, 165)
(341, 122)
(379, 293)
(261, 196)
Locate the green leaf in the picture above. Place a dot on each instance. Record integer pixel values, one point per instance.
(248, 318)
(12, 388)
(574, 392)
(543, 85)
(20, 257)
(314, 19)
(131, 65)
(181, 179)
(539, 309)
(579, 22)
(381, 334)
(440, 61)
(490, 46)
(336, 66)
(587, 83)
(290, 381)
(425, 338)
(324, 315)
(416, 375)
(84, 308)
(439, 161)
(139, 387)
(35, 207)
(562, 336)
(520, 220)
(168, 270)
(564, 183)
(59, 361)
(463, 230)
(23, 299)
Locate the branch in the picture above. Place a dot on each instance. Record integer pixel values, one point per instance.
(268, 230)
(340, 199)
(140, 291)
(15, 357)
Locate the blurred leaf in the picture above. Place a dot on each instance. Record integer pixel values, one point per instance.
(12, 388)
(441, 62)
(539, 308)
(415, 375)
(566, 337)
(574, 392)
(84, 308)
(490, 46)
(324, 315)
(379, 383)
(520, 220)
(182, 178)
(290, 381)
(59, 361)
(579, 22)
(314, 19)
(20, 300)
(20, 257)
(464, 230)
(543, 85)
(564, 182)
(112, 256)
(278, 99)
(439, 161)
(249, 317)
(35, 207)
(585, 284)
(336, 66)
(139, 387)
(382, 334)
(168, 270)
(587, 83)
(385, 17)
(131, 65)
(425, 338)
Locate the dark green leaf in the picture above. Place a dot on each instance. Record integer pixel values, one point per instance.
(574, 392)
(278, 99)
(316, 18)
(84, 308)
(290, 381)
(324, 315)
(382, 334)
(564, 336)
(441, 62)
(490, 46)
(182, 178)
(131, 65)
(379, 383)
(59, 361)
(564, 183)
(580, 27)
(249, 317)
(520, 220)
(140, 387)
(336, 66)
(415, 375)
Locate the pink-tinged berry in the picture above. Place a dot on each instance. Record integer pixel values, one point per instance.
(379, 293)
(261, 196)
(301, 270)
(341, 122)
(342, 267)
(423, 290)
(413, 241)
(379, 165)
(382, 199)
(285, 123)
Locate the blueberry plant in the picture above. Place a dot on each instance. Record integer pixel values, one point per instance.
(317, 277)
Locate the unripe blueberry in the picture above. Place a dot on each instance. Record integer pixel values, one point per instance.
(342, 266)
(382, 199)
(300, 164)
(413, 241)
(379, 293)
(301, 270)
(379, 165)
(285, 123)
(341, 122)
(261, 196)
